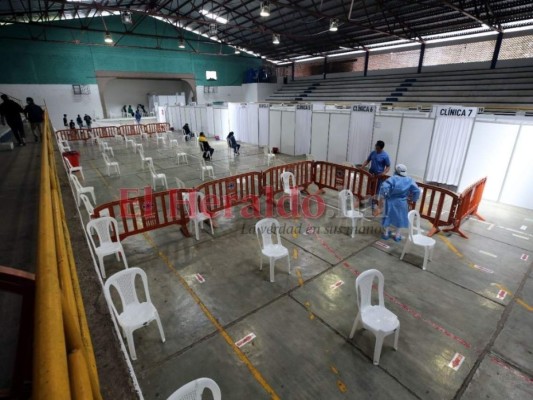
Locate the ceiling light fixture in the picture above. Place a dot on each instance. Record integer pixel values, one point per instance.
(275, 38)
(108, 39)
(265, 9)
(210, 15)
(333, 25)
(126, 17)
(181, 43)
(212, 29)
(237, 51)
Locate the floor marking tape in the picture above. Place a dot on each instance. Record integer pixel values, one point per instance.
(488, 254)
(295, 253)
(199, 278)
(484, 269)
(501, 294)
(518, 300)
(225, 335)
(508, 367)
(381, 244)
(336, 285)
(300, 278)
(456, 361)
(394, 300)
(524, 257)
(245, 340)
(523, 227)
(451, 246)
(490, 227)
(520, 236)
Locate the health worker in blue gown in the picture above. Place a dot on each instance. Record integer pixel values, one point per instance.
(394, 195)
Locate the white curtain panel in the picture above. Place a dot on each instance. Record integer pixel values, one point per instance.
(302, 134)
(183, 117)
(264, 121)
(210, 116)
(243, 124)
(253, 123)
(224, 121)
(448, 149)
(234, 125)
(191, 118)
(360, 136)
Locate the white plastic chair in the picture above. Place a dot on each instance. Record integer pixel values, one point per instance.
(207, 168)
(72, 169)
(291, 190)
(64, 146)
(137, 147)
(134, 314)
(193, 390)
(157, 177)
(81, 189)
(160, 137)
(107, 148)
(196, 214)
(268, 155)
(130, 141)
(90, 209)
(418, 238)
(145, 160)
(172, 143)
(274, 250)
(347, 209)
(376, 318)
(110, 165)
(180, 155)
(103, 227)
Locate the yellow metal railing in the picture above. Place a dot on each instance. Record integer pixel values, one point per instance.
(64, 366)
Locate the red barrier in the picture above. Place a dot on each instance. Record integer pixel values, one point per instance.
(468, 204)
(222, 194)
(338, 177)
(74, 134)
(145, 213)
(130, 130)
(303, 173)
(157, 127)
(105, 132)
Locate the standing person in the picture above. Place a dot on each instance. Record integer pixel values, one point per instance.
(124, 111)
(79, 121)
(396, 192)
(187, 131)
(72, 124)
(130, 110)
(206, 148)
(65, 120)
(233, 143)
(137, 116)
(88, 120)
(379, 164)
(35, 115)
(10, 113)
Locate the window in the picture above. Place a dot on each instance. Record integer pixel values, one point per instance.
(392, 60)
(516, 47)
(211, 75)
(460, 53)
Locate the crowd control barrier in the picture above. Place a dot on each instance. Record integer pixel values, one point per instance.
(156, 127)
(105, 132)
(148, 212)
(74, 134)
(130, 130)
(303, 173)
(468, 203)
(222, 194)
(338, 177)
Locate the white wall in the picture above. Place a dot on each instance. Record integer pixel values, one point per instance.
(257, 92)
(120, 92)
(224, 93)
(59, 100)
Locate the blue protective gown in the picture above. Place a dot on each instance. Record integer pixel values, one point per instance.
(396, 190)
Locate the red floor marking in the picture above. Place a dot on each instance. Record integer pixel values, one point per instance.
(245, 340)
(456, 362)
(381, 244)
(484, 269)
(336, 285)
(199, 278)
(501, 294)
(394, 300)
(524, 257)
(506, 366)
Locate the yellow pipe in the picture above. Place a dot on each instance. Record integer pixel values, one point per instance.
(79, 376)
(71, 288)
(50, 367)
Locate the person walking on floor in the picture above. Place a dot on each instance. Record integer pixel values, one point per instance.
(379, 165)
(35, 115)
(79, 121)
(65, 120)
(233, 143)
(138, 116)
(394, 197)
(130, 111)
(88, 120)
(207, 150)
(10, 113)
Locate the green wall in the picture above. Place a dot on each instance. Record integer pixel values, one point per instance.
(36, 61)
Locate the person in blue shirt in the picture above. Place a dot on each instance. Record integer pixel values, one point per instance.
(379, 165)
(394, 195)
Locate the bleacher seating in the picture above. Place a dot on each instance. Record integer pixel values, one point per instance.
(478, 87)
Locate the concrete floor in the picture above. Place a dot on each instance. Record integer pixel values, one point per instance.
(301, 322)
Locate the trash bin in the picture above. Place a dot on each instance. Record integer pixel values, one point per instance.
(73, 157)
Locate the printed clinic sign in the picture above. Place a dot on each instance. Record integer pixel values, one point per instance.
(456, 111)
(370, 108)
